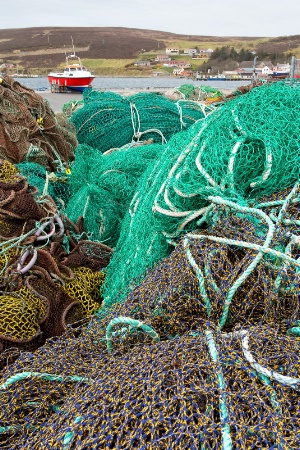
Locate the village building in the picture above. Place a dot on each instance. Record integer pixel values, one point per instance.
(142, 63)
(202, 55)
(172, 51)
(181, 64)
(162, 58)
(190, 51)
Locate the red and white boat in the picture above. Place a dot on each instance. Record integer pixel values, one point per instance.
(75, 76)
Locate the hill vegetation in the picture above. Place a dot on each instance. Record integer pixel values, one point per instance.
(112, 51)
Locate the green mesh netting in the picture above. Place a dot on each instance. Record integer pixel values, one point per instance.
(247, 148)
(204, 351)
(48, 183)
(102, 187)
(108, 121)
(93, 95)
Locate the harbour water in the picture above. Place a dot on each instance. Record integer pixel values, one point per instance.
(138, 83)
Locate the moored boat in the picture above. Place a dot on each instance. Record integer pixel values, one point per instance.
(75, 76)
(219, 77)
(280, 74)
(281, 71)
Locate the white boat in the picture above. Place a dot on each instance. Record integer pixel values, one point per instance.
(75, 75)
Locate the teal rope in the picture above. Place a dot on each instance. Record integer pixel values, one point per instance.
(44, 376)
(70, 434)
(252, 266)
(294, 330)
(133, 323)
(199, 275)
(287, 202)
(226, 439)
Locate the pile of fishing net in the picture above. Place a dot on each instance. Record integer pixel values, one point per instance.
(196, 342)
(29, 130)
(50, 274)
(245, 149)
(205, 389)
(55, 184)
(103, 185)
(107, 120)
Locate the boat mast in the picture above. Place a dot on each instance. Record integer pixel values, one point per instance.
(73, 46)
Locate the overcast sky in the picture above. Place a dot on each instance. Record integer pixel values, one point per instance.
(193, 17)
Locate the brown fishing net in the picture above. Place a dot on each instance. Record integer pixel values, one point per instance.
(29, 130)
(41, 293)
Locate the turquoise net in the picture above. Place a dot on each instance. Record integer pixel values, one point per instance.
(247, 148)
(102, 187)
(108, 120)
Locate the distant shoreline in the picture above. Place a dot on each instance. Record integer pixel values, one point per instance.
(58, 100)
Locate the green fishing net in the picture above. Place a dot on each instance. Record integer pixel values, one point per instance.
(102, 187)
(108, 121)
(48, 183)
(247, 148)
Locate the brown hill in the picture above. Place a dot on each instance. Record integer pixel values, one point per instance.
(45, 47)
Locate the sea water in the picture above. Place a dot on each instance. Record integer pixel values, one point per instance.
(138, 83)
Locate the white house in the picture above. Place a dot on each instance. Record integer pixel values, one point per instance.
(189, 51)
(142, 63)
(162, 58)
(172, 51)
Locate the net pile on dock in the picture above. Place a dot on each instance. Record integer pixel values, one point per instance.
(108, 121)
(203, 390)
(29, 130)
(200, 93)
(245, 149)
(101, 196)
(197, 342)
(49, 275)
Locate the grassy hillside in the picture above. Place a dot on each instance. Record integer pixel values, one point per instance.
(112, 51)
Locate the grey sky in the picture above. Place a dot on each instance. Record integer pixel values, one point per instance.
(193, 17)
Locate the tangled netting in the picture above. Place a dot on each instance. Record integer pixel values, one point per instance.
(108, 120)
(55, 184)
(50, 274)
(29, 130)
(247, 148)
(203, 390)
(102, 186)
(207, 94)
(196, 343)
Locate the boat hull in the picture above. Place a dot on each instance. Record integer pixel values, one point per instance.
(280, 75)
(75, 84)
(216, 78)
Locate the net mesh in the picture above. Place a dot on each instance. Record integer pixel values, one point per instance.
(245, 149)
(199, 390)
(196, 343)
(102, 195)
(49, 273)
(29, 130)
(108, 120)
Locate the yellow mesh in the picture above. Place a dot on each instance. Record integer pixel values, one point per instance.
(8, 254)
(8, 172)
(85, 288)
(20, 314)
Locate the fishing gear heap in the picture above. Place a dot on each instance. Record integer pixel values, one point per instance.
(195, 341)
